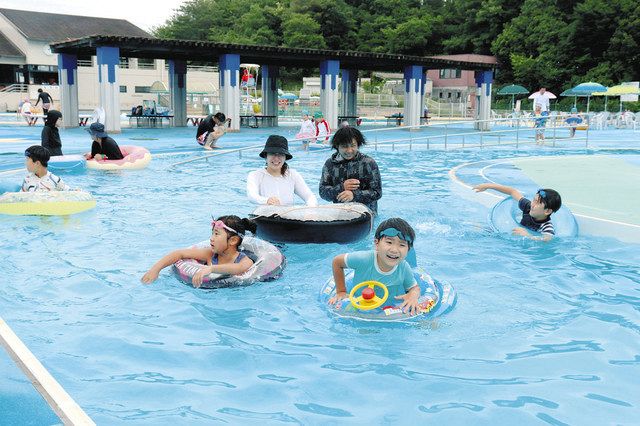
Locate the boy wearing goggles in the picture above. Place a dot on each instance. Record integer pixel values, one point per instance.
(386, 263)
(536, 213)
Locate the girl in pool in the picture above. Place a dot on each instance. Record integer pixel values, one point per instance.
(222, 257)
(276, 184)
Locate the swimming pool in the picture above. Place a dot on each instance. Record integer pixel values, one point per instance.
(541, 333)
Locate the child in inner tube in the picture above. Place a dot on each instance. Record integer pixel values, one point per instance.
(386, 263)
(222, 257)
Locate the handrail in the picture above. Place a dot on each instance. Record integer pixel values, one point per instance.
(15, 88)
(62, 404)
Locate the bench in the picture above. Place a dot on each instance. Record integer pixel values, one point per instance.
(195, 120)
(353, 120)
(154, 120)
(255, 121)
(399, 118)
(83, 119)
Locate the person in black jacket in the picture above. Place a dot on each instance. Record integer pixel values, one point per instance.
(349, 175)
(50, 135)
(103, 147)
(211, 129)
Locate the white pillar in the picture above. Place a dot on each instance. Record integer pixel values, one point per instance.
(68, 80)
(329, 70)
(229, 66)
(413, 88)
(349, 94)
(108, 64)
(484, 79)
(178, 91)
(270, 75)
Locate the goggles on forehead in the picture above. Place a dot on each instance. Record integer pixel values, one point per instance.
(218, 224)
(543, 195)
(393, 232)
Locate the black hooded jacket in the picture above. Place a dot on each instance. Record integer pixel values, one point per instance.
(50, 135)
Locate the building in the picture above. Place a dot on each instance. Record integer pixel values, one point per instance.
(27, 63)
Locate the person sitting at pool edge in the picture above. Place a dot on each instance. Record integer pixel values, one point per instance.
(103, 147)
(277, 183)
(222, 257)
(386, 263)
(536, 213)
(349, 175)
(39, 178)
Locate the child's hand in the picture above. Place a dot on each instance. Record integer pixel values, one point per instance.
(149, 277)
(335, 300)
(410, 302)
(199, 276)
(521, 232)
(481, 187)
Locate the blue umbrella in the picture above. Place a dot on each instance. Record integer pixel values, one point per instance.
(587, 89)
(291, 96)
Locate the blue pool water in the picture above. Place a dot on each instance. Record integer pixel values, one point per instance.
(541, 333)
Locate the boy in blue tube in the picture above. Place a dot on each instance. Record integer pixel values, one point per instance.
(386, 263)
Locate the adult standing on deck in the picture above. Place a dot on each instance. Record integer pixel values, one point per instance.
(349, 175)
(211, 129)
(46, 101)
(542, 99)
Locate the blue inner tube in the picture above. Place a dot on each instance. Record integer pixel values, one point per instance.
(506, 215)
(436, 298)
(9, 187)
(67, 164)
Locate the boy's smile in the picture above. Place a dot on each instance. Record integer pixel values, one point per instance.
(390, 251)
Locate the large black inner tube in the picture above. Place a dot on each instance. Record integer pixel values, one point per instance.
(277, 229)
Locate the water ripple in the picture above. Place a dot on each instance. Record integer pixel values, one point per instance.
(573, 346)
(279, 417)
(606, 399)
(325, 411)
(522, 400)
(449, 406)
(151, 377)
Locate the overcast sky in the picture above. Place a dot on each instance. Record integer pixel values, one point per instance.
(143, 13)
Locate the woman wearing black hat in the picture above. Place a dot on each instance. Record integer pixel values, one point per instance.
(103, 147)
(50, 135)
(277, 182)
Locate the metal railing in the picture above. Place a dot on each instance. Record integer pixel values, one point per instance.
(15, 88)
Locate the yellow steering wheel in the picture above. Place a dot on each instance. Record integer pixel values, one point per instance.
(368, 299)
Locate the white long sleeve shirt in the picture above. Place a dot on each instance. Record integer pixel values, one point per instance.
(48, 182)
(307, 128)
(261, 186)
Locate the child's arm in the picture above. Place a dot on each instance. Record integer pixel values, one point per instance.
(226, 268)
(410, 300)
(202, 254)
(338, 266)
(514, 193)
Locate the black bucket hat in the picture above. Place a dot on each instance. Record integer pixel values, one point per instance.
(97, 129)
(276, 145)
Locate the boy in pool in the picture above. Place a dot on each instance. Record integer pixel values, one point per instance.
(39, 178)
(536, 213)
(386, 263)
(222, 257)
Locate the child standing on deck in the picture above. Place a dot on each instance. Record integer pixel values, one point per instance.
(222, 257)
(536, 213)
(386, 263)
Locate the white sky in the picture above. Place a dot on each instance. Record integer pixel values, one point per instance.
(143, 13)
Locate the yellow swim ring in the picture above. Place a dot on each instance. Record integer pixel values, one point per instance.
(46, 203)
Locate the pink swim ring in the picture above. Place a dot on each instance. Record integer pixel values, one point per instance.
(135, 158)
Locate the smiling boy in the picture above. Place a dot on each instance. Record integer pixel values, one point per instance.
(536, 213)
(386, 264)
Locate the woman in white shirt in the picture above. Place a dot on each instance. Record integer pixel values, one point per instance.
(277, 183)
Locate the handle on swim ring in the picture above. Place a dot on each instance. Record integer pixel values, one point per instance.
(367, 302)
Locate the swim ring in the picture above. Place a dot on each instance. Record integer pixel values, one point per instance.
(506, 215)
(268, 264)
(46, 203)
(9, 187)
(135, 158)
(67, 164)
(436, 298)
(328, 223)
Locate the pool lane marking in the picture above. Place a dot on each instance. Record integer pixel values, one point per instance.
(60, 401)
(453, 176)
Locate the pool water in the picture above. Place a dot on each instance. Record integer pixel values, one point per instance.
(541, 333)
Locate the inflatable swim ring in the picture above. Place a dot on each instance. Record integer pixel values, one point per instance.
(436, 298)
(135, 158)
(268, 264)
(9, 187)
(49, 203)
(67, 164)
(328, 223)
(506, 215)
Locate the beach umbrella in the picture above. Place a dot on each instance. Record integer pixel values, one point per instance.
(569, 92)
(619, 90)
(513, 90)
(536, 95)
(588, 89)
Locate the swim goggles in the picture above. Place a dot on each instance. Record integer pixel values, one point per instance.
(393, 232)
(543, 195)
(218, 224)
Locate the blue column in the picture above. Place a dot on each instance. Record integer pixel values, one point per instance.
(413, 90)
(270, 75)
(230, 88)
(349, 94)
(68, 78)
(178, 91)
(108, 64)
(329, 71)
(484, 79)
